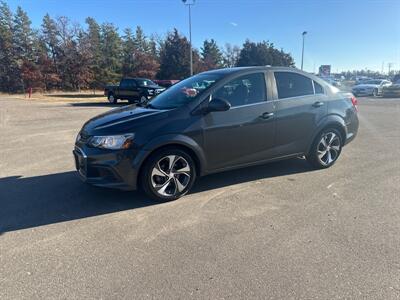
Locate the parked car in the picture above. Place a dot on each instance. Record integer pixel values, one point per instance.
(132, 89)
(392, 90)
(371, 87)
(166, 83)
(215, 121)
(333, 81)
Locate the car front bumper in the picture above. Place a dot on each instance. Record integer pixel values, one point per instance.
(108, 168)
(391, 93)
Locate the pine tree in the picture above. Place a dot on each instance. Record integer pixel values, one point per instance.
(111, 53)
(140, 40)
(24, 40)
(9, 71)
(52, 44)
(174, 57)
(128, 49)
(211, 55)
(93, 39)
(263, 53)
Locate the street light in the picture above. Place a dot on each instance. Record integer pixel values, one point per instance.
(189, 4)
(302, 51)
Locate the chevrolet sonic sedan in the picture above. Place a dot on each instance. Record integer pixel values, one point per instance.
(212, 122)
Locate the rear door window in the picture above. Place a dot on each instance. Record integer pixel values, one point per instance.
(291, 84)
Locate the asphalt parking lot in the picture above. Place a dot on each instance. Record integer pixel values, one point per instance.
(278, 231)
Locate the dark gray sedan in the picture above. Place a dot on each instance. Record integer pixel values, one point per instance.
(216, 121)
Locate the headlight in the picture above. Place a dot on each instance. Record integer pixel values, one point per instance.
(113, 142)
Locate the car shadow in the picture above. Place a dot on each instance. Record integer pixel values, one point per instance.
(27, 202)
(77, 95)
(97, 104)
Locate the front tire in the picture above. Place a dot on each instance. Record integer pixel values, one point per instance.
(375, 93)
(142, 99)
(168, 174)
(111, 98)
(325, 149)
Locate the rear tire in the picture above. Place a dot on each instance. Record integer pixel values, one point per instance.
(375, 93)
(325, 149)
(168, 174)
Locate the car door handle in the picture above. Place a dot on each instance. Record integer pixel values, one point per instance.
(318, 104)
(267, 115)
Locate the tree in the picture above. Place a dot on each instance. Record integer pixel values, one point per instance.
(139, 59)
(23, 36)
(128, 52)
(24, 40)
(92, 38)
(48, 72)
(263, 53)
(230, 55)
(9, 71)
(174, 57)
(140, 40)
(211, 55)
(50, 39)
(111, 53)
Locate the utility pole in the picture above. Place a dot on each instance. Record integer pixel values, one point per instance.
(302, 50)
(390, 65)
(189, 4)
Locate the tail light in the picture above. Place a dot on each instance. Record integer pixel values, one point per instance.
(354, 102)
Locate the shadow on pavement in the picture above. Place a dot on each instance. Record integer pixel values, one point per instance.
(97, 104)
(41, 200)
(73, 96)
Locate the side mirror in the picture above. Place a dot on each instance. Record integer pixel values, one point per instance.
(217, 104)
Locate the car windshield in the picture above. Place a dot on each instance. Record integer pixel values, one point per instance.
(184, 91)
(373, 82)
(145, 82)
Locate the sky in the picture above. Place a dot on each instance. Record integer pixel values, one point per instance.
(352, 34)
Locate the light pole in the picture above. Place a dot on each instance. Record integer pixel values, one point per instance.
(302, 50)
(189, 4)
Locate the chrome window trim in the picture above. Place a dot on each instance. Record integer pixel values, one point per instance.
(251, 104)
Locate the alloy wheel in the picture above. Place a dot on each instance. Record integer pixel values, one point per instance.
(111, 98)
(170, 175)
(328, 148)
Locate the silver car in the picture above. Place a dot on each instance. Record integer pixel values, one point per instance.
(371, 87)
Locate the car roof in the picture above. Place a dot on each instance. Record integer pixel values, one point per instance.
(252, 68)
(238, 70)
(227, 71)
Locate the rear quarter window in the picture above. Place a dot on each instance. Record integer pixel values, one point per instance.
(318, 88)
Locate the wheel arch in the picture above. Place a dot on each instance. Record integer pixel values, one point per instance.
(181, 142)
(330, 121)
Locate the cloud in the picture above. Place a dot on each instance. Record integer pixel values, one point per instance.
(233, 24)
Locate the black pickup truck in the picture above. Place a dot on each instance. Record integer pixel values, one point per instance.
(132, 89)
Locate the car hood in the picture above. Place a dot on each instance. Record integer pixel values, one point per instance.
(121, 120)
(153, 87)
(362, 86)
